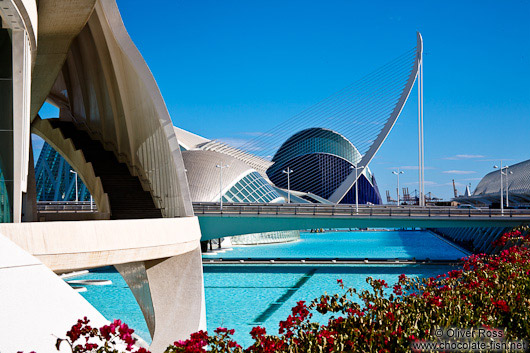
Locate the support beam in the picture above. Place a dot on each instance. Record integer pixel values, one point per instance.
(171, 295)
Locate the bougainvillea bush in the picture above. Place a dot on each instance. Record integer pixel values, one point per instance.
(491, 291)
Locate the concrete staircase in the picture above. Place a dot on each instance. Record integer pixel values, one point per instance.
(127, 198)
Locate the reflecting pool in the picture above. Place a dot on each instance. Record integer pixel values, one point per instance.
(241, 296)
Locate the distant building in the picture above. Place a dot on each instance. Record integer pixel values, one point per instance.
(55, 181)
(517, 182)
(240, 183)
(321, 160)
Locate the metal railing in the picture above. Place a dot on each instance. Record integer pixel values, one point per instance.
(316, 210)
(66, 206)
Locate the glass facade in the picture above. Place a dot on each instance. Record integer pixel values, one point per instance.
(281, 236)
(5, 209)
(252, 188)
(321, 160)
(314, 140)
(6, 125)
(55, 181)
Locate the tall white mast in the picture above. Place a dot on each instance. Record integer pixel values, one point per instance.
(421, 167)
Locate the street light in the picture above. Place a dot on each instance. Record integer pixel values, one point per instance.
(288, 171)
(506, 173)
(356, 167)
(397, 174)
(502, 202)
(76, 192)
(221, 167)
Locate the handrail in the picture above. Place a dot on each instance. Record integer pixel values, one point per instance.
(339, 210)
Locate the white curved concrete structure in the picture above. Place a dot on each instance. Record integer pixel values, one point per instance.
(38, 306)
(188, 140)
(164, 271)
(78, 56)
(75, 245)
(204, 178)
(106, 88)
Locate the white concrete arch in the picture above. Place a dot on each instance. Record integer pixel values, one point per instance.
(59, 23)
(106, 88)
(54, 137)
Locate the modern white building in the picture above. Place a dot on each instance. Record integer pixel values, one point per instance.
(114, 129)
(515, 187)
(216, 171)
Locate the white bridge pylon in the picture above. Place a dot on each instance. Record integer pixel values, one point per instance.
(363, 113)
(415, 73)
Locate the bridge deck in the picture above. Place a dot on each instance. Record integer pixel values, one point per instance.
(237, 219)
(351, 211)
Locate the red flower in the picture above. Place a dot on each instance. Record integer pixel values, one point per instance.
(220, 330)
(500, 304)
(258, 332)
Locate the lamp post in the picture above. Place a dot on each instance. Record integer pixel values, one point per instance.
(356, 167)
(502, 202)
(76, 191)
(221, 167)
(506, 173)
(288, 171)
(397, 174)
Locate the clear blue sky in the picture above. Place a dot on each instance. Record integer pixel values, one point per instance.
(231, 68)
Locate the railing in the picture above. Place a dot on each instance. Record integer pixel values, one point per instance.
(66, 206)
(323, 210)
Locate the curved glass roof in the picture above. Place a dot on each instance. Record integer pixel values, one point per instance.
(54, 180)
(320, 140)
(252, 188)
(315, 140)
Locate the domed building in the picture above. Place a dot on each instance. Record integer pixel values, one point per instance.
(240, 183)
(487, 192)
(321, 159)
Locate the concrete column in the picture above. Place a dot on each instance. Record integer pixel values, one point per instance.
(29, 199)
(21, 101)
(170, 293)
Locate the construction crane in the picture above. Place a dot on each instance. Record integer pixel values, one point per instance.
(454, 189)
(389, 199)
(406, 195)
(430, 197)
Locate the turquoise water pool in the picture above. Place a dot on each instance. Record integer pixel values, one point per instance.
(372, 244)
(242, 296)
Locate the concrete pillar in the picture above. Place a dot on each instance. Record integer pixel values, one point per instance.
(29, 198)
(170, 293)
(21, 105)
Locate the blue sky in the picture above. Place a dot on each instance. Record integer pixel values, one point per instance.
(232, 68)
